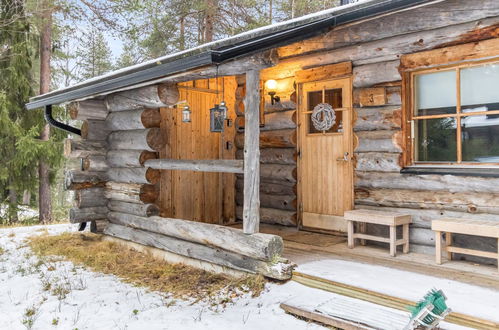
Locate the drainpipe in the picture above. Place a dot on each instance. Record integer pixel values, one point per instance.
(58, 124)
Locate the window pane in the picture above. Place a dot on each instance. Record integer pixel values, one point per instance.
(436, 140)
(336, 128)
(435, 93)
(480, 135)
(314, 98)
(480, 88)
(334, 97)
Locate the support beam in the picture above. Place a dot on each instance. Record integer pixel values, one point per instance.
(197, 165)
(251, 207)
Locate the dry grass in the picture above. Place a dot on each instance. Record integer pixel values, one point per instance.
(141, 269)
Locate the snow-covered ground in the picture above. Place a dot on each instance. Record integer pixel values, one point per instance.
(97, 301)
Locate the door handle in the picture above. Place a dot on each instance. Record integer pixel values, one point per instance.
(345, 158)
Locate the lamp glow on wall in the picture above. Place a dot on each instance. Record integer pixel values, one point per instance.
(271, 87)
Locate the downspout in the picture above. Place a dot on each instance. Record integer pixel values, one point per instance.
(70, 129)
(58, 124)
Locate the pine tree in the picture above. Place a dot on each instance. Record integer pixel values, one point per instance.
(130, 55)
(94, 55)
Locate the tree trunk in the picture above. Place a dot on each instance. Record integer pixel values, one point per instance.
(13, 216)
(44, 202)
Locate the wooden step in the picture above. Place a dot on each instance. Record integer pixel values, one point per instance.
(385, 300)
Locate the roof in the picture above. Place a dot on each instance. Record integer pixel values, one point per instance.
(219, 51)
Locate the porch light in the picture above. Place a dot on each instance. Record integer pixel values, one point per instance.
(271, 86)
(186, 114)
(217, 117)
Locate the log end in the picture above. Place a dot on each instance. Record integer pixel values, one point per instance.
(151, 118)
(168, 94)
(152, 210)
(156, 139)
(84, 130)
(153, 176)
(149, 193)
(146, 155)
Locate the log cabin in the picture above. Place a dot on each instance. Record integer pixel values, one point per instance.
(382, 105)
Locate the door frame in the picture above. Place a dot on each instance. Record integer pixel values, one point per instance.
(300, 98)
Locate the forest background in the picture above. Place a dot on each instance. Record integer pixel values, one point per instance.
(50, 44)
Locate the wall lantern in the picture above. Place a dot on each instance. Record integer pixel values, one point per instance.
(186, 114)
(217, 117)
(271, 86)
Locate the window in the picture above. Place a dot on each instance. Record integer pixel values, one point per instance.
(333, 97)
(455, 115)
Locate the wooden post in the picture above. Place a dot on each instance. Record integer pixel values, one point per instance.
(251, 206)
(351, 240)
(448, 242)
(406, 238)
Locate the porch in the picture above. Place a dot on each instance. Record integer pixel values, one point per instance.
(353, 287)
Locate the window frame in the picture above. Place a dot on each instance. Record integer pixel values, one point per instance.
(410, 125)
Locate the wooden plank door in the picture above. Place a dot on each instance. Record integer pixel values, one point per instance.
(198, 196)
(325, 172)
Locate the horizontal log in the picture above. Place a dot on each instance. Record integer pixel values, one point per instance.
(98, 226)
(83, 148)
(150, 139)
(95, 163)
(133, 119)
(422, 218)
(438, 200)
(134, 175)
(132, 192)
(258, 246)
(283, 188)
(408, 22)
(75, 180)
(381, 118)
(141, 210)
(285, 138)
(279, 120)
(155, 96)
(90, 197)
(280, 271)
(272, 216)
(198, 165)
(88, 109)
(94, 130)
(388, 49)
(282, 156)
(87, 214)
(129, 158)
(450, 183)
(370, 97)
(378, 162)
(274, 172)
(375, 73)
(280, 202)
(394, 95)
(379, 141)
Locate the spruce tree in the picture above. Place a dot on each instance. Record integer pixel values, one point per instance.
(94, 55)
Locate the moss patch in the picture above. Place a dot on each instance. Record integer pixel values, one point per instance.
(142, 269)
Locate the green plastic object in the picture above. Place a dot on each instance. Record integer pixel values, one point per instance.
(435, 298)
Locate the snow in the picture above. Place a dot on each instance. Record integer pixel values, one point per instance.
(461, 297)
(98, 301)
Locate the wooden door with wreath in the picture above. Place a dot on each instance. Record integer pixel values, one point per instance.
(325, 169)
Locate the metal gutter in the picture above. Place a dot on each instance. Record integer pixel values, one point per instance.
(160, 69)
(51, 120)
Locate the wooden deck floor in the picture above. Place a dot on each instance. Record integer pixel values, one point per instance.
(302, 247)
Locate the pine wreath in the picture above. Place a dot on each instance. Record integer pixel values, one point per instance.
(323, 117)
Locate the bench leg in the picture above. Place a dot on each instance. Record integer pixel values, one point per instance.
(405, 236)
(438, 247)
(448, 242)
(363, 229)
(350, 230)
(393, 238)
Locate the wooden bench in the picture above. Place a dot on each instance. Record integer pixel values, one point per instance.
(380, 218)
(451, 226)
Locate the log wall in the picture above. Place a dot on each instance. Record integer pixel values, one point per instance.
(375, 48)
